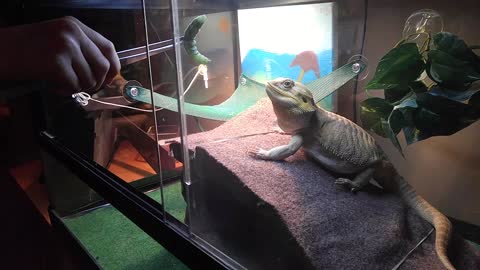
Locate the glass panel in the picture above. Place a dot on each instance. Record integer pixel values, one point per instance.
(237, 207)
(114, 241)
(166, 124)
(202, 85)
(117, 133)
(214, 115)
(118, 243)
(267, 199)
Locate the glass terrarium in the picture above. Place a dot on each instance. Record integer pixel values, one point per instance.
(240, 207)
(193, 122)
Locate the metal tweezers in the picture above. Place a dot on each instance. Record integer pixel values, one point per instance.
(133, 55)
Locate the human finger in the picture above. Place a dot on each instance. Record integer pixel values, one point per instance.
(111, 54)
(84, 72)
(98, 63)
(67, 80)
(105, 46)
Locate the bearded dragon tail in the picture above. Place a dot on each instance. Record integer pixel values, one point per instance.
(442, 225)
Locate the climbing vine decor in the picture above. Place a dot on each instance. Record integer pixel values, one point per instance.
(429, 89)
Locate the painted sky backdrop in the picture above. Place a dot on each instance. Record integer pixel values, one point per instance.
(271, 38)
(288, 29)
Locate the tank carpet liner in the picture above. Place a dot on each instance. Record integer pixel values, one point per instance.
(290, 215)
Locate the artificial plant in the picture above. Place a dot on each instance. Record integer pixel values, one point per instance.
(429, 89)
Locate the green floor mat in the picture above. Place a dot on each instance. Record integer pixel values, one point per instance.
(118, 244)
(174, 202)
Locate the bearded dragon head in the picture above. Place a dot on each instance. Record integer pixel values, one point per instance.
(292, 102)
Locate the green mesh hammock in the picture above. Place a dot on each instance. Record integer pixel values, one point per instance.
(247, 94)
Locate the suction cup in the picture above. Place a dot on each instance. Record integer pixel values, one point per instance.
(130, 91)
(359, 66)
(421, 24)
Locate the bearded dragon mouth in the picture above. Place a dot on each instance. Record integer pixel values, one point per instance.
(271, 88)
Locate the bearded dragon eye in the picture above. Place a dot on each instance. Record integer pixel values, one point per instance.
(288, 83)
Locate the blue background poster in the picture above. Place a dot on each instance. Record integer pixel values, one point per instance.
(291, 41)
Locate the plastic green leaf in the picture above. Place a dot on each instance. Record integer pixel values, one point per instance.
(402, 114)
(433, 124)
(443, 106)
(449, 116)
(396, 121)
(396, 94)
(374, 114)
(450, 72)
(412, 135)
(451, 94)
(393, 137)
(400, 118)
(475, 100)
(425, 120)
(455, 46)
(417, 87)
(399, 66)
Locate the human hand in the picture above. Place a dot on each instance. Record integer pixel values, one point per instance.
(64, 52)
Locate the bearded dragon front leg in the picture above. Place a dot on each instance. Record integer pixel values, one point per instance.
(360, 180)
(279, 152)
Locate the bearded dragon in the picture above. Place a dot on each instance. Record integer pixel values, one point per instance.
(343, 147)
